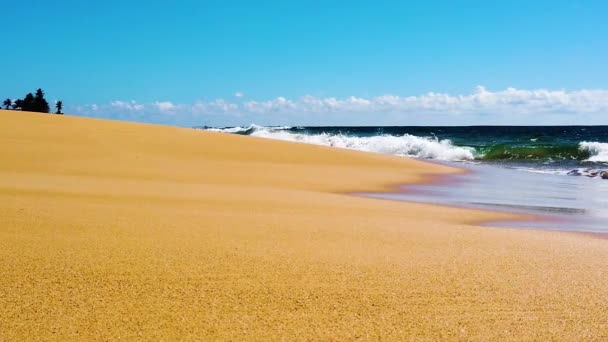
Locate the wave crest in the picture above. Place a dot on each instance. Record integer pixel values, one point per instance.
(405, 145)
(430, 147)
(538, 152)
(245, 130)
(598, 151)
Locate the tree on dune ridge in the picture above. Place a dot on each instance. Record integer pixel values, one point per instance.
(58, 106)
(33, 103)
(28, 103)
(18, 104)
(40, 104)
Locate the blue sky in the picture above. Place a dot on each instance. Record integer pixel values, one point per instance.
(282, 62)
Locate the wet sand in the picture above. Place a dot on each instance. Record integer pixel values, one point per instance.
(552, 201)
(119, 230)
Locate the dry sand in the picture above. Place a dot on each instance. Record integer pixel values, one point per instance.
(119, 230)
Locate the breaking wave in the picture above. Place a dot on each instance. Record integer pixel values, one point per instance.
(598, 152)
(431, 147)
(404, 145)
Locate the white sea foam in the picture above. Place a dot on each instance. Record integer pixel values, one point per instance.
(228, 129)
(598, 151)
(405, 145)
(548, 171)
(235, 130)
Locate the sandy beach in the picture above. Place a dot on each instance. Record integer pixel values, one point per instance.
(115, 230)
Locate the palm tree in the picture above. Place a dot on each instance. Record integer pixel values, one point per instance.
(59, 106)
(7, 103)
(18, 104)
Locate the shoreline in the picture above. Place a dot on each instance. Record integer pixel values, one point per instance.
(109, 231)
(444, 180)
(470, 190)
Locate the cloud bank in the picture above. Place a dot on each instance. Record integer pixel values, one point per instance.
(482, 106)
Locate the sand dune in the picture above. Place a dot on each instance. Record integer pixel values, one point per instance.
(119, 230)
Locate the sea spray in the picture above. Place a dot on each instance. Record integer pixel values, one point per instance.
(404, 145)
(544, 149)
(598, 152)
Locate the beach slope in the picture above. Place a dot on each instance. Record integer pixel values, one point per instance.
(120, 230)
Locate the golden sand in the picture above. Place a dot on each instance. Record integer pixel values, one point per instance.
(119, 230)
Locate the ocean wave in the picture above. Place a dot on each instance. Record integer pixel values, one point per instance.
(404, 145)
(246, 130)
(583, 151)
(431, 147)
(532, 152)
(233, 130)
(598, 152)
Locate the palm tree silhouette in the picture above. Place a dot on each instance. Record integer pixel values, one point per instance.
(7, 103)
(18, 104)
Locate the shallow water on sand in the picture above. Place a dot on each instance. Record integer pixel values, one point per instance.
(575, 203)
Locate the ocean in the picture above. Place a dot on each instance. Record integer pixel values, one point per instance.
(552, 172)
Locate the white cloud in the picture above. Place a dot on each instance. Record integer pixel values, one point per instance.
(482, 106)
(132, 105)
(222, 105)
(164, 106)
(278, 104)
(239, 94)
